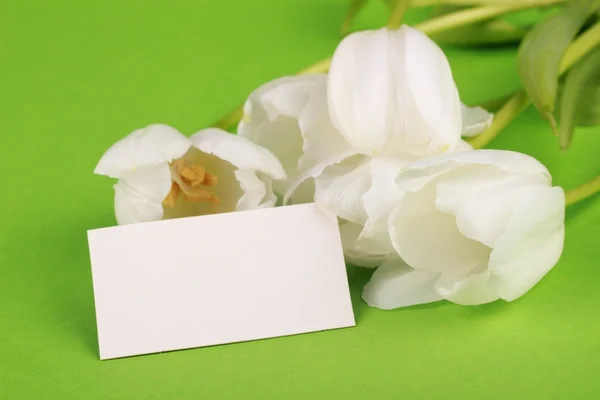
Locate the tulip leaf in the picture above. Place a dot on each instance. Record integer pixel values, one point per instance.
(542, 50)
(579, 96)
(589, 113)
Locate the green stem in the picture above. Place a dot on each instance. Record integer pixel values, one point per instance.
(509, 111)
(582, 192)
(519, 102)
(467, 17)
(397, 13)
(580, 47)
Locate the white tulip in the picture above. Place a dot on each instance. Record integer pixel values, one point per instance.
(272, 119)
(389, 100)
(472, 228)
(163, 174)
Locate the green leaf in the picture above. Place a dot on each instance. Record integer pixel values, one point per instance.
(579, 100)
(542, 50)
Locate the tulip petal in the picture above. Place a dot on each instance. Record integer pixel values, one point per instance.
(418, 174)
(131, 208)
(475, 120)
(472, 290)
(341, 186)
(239, 151)
(395, 285)
(152, 145)
(374, 238)
(353, 255)
(140, 193)
(532, 243)
(257, 193)
(429, 105)
(321, 138)
(359, 89)
(429, 240)
(383, 194)
(393, 91)
(483, 199)
(315, 171)
(271, 119)
(378, 201)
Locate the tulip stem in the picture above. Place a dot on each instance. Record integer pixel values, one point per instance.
(580, 47)
(519, 101)
(436, 25)
(397, 13)
(467, 17)
(582, 192)
(509, 111)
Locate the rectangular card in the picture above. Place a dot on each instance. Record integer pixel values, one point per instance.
(216, 279)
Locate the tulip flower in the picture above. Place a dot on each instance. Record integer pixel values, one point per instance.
(472, 228)
(271, 119)
(162, 174)
(389, 100)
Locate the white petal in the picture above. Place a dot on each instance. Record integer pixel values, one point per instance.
(321, 139)
(271, 119)
(149, 146)
(285, 96)
(475, 120)
(532, 243)
(257, 193)
(393, 91)
(463, 146)
(239, 151)
(383, 194)
(353, 255)
(359, 89)
(472, 290)
(254, 190)
(131, 208)
(140, 193)
(375, 238)
(341, 186)
(315, 171)
(378, 201)
(429, 240)
(395, 285)
(483, 199)
(418, 174)
(428, 102)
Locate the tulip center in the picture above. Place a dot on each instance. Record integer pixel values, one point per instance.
(191, 181)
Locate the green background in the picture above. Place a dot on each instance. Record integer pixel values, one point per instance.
(77, 76)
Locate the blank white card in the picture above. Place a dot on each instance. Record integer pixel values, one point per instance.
(218, 279)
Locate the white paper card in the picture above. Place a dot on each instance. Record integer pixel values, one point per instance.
(217, 279)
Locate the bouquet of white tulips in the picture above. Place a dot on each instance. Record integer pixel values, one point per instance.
(379, 139)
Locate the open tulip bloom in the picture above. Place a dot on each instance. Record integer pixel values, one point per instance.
(163, 174)
(472, 228)
(377, 140)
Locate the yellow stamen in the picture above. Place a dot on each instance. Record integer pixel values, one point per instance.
(188, 181)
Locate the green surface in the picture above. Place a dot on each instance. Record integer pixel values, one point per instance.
(77, 76)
